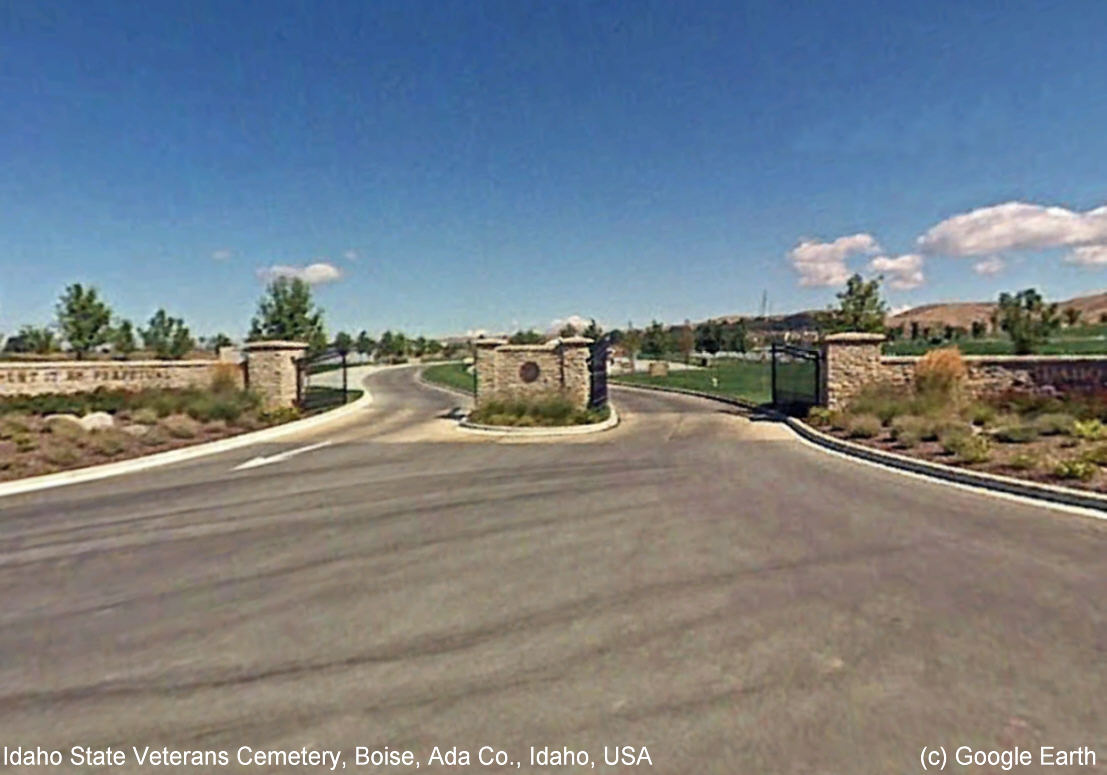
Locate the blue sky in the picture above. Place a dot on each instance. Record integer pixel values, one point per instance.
(465, 165)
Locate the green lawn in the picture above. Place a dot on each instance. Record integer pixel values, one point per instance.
(1060, 345)
(451, 374)
(749, 380)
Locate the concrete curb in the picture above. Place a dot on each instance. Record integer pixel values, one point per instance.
(532, 433)
(977, 480)
(132, 465)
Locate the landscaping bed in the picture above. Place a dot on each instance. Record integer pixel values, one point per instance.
(49, 433)
(544, 412)
(1043, 437)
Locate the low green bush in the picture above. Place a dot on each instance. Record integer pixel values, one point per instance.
(1089, 430)
(1097, 455)
(908, 430)
(549, 410)
(969, 449)
(953, 434)
(108, 442)
(1054, 423)
(1016, 434)
(819, 416)
(180, 426)
(279, 416)
(144, 416)
(1075, 468)
(1025, 461)
(980, 413)
(13, 425)
(60, 452)
(864, 426)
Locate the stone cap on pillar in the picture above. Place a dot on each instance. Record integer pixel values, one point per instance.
(575, 341)
(489, 342)
(854, 337)
(274, 344)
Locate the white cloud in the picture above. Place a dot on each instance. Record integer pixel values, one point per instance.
(351, 255)
(222, 254)
(824, 263)
(1016, 226)
(576, 321)
(1089, 255)
(313, 274)
(903, 272)
(989, 266)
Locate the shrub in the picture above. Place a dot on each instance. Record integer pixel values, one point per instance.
(969, 449)
(226, 378)
(980, 413)
(180, 426)
(953, 434)
(108, 442)
(864, 426)
(278, 416)
(60, 453)
(1016, 434)
(1074, 468)
(883, 400)
(838, 420)
(144, 416)
(1054, 423)
(1025, 461)
(1097, 455)
(65, 428)
(25, 442)
(1089, 430)
(908, 430)
(154, 437)
(940, 372)
(13, 425)
(819, 416)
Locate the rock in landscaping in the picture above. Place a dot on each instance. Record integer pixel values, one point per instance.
(68, 421)
(97, 421)
(136, 429)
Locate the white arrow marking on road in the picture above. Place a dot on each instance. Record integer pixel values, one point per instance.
(280, 456)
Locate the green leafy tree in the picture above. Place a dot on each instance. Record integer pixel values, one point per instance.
(365, 344)
(592, 331)
(631, 341)
(1072, 316)
(1027, 319)
(123, 338)
(419, 347)
(860, 307)
(735, 338)
(287, 311)
(685, 341)
(400, 345)
(343, 343)
(654, 340)
(567, 330)
(219, 341)
(386, 344)
(709, 337)
(167, 336)
(33, 339)
(979, 328)
(433, 347)
(83, 318)
(526, 337)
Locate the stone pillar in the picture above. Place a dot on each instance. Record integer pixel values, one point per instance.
(485, 367)
(271, 371)
(578, 379)
(850, 361)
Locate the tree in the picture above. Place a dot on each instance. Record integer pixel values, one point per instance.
(979, 328)
(860, 307)
(219, 341)
(709, 337)
(365, 344)
(123, 338)
(654, 340)
(384, 347)
(343, 343)
(735, 338)
(686, 341)
(433, 347)
(1072, 316)
(592, 331)
(287, 311)
(1027, 319)
(529, 336)
(84, 319)
(32, 339)
(631, 341)
(167, 336)
(419, 347)
(567, 330)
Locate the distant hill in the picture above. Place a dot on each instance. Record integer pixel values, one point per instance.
(962, 314)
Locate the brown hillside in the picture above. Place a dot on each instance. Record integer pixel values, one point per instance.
(962, 314)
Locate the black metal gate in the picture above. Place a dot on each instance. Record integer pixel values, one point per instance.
(597, 368)
(321, 380)
(796, 373)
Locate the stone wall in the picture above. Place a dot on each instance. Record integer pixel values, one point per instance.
(271, 371)
(40, 377)
(854, 360)
(514, 371)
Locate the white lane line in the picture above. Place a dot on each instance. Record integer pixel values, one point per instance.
(280, 456)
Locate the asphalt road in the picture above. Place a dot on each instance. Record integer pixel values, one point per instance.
(692, 582)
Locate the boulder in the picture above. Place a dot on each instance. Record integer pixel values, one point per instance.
(67, 421)
(135, 429)
(97, 421)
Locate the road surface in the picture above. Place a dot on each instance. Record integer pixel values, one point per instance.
(691, 582)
